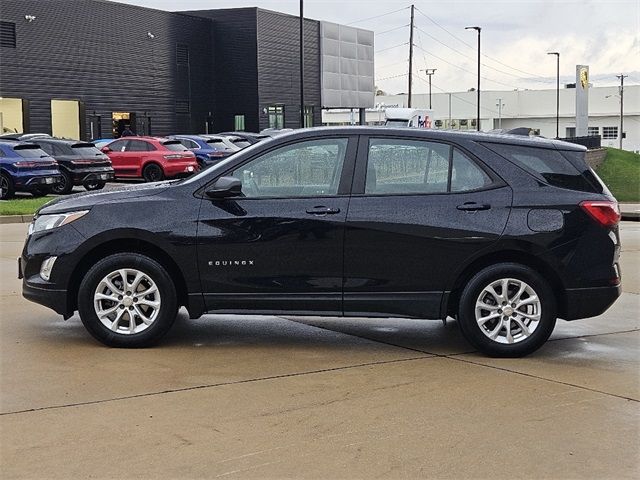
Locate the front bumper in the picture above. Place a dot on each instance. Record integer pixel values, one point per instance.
(589, 302)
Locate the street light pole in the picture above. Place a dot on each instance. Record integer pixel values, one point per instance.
(557, 54)
(411, 55)
(430, 72)
(301, 64)
(500, 105)
(621, 77)
(477, 29)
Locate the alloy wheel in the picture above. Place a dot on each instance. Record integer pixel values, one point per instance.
(127, 301)
(508, 311)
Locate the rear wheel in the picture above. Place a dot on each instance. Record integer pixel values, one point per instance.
(152, 173)
(94, 186)
(39, 192)
(507, 310)
(127, 300)
(65, 186)
(7, 190)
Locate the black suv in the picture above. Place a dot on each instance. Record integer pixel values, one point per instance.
(80, 163)
(504, 233)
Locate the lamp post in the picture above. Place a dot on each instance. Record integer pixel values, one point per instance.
(301, 64)
(477, 29)
(500, 105)
(557, 54)
(430, 72)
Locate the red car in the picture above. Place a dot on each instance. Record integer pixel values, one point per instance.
(151, 158)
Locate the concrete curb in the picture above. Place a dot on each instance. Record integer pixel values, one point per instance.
(5, 219)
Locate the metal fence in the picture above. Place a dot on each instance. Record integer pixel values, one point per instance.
(591, 141)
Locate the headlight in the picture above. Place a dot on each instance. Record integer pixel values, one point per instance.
(47, 222)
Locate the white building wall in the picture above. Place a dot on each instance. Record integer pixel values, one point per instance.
(527, 108)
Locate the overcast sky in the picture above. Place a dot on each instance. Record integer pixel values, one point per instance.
(516, 35)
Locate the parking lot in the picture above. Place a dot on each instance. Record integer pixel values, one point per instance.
(273, 397)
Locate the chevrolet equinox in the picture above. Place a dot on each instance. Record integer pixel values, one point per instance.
(505, 233)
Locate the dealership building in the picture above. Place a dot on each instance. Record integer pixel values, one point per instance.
(535, 109)
(86, 68)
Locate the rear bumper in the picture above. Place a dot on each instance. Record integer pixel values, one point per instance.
(81, 177)
(180, 168)
(35, 182)
(589, 302)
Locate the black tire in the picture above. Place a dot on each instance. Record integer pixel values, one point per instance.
(152, 173)
(91, 186)
(65, 186)
(7, 187)
(167, 310)
(473, 332)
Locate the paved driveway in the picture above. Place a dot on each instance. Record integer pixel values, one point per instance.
(272, 397)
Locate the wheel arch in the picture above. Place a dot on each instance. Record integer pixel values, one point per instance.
(530, 260)
(126, 245)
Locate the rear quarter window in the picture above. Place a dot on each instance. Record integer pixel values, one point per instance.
(174, 146)
(546, 164)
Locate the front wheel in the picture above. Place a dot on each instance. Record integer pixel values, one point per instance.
(127, 300)
(152, 173)
(507, 310)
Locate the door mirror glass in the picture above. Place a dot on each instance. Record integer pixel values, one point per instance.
(105, 149)
(225, 187)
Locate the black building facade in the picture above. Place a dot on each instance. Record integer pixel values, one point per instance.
(99, 65)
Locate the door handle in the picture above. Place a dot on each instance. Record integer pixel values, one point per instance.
(322, 210)
(473, 207)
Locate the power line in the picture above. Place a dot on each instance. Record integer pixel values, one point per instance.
(389, 48)
(391, 30)
(378, 16)
(394, 76)
(456, 96)
(391, 64)
(471, 46)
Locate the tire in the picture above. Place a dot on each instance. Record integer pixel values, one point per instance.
(89, 186)
(516, 331)
(7, 187)
(152, 173)
(64, 187)
(114, 327)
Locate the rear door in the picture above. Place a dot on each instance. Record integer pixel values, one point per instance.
(279, 246)
(420, 211)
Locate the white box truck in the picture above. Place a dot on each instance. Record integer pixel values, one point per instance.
(408, 117)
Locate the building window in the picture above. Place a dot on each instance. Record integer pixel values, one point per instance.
(182, 54)
(276, 116)
(570, 132)
(308, 117)
(593, 131)
(8, 34)
(609, 132)
(239, 123)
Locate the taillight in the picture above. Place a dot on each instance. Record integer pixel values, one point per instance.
(82, 162)
(607, 214)
(31, 164)
(216, 155)
(173, 156)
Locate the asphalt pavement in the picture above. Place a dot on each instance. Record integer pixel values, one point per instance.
(310, 397)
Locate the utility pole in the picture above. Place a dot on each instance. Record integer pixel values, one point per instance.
(411, 55)
(621, 77)
(477, 29)
(500, 105)
(430, 72)
(301, 64)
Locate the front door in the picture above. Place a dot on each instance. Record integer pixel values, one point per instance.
(279, 247)
(117, 157)
(420, 210)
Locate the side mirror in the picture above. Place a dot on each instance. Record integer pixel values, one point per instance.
(105, 149)
(225, 187)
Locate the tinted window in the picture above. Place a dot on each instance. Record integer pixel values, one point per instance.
(465, 174)
(175, 146)
(407, 166)
(137, 146)
(30, 152)
(188, 143)
(117, 146)
(85, 151)
(546, 164)
(217, 144)
(47, 147)
(240, 142)
(305, 169)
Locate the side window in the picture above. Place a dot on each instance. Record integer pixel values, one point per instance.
(137, 146)
(465, 174)
(117, 146)
(304, 169)
(188, 143)
(407, 166)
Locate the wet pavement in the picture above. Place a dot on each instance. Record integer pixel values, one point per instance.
(309, 397)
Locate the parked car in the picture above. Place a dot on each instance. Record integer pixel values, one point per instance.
(24, 167)
(80, 163)
(275, 132)
(224, 141)
(208, 151)
(505, 233)
(101, 142)
(24, 137)
(152, 158)
(250, 137)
